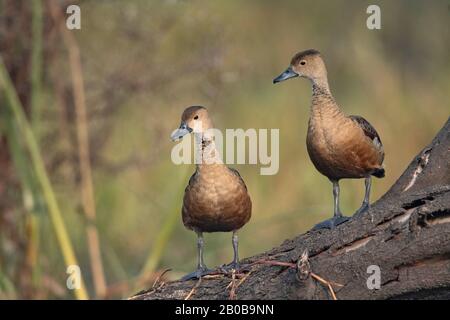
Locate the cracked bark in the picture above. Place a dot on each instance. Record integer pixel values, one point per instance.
(406, 233)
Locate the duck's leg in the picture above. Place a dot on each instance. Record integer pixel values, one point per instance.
(338, 218)
(201, 267)
(365, 204)
(234, 265)
(234, 241)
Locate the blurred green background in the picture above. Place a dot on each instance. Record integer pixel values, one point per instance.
(142, 63)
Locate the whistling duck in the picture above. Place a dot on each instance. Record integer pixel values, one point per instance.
(339, 146)
(216, 197)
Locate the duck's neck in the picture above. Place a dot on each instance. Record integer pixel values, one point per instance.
(323, 102)
(207, 154)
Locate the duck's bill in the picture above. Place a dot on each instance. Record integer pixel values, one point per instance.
(289, 73)
(179, 133)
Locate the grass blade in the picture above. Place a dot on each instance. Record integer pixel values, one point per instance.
(41, 173)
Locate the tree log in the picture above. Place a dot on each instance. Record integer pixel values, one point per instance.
(406, 233)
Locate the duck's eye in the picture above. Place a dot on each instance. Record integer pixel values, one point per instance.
(196, 117)
(303, 62)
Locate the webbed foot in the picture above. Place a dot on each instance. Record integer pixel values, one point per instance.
(331, 223)
(197, 274)
(364, 208)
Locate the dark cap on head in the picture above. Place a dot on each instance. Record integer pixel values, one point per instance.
(188, 112)
(301, 55)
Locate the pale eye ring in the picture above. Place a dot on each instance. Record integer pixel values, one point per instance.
(196, 117)
(303, 62)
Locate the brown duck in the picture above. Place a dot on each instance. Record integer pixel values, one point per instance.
(339, 146)
(216, 197)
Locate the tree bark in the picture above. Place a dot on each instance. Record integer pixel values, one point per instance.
(406, 234)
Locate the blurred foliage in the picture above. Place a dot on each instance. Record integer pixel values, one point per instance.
(145, 61)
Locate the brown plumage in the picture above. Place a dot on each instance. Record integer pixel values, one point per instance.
(339, 146)
(216, 198)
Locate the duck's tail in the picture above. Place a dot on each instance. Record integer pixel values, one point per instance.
(378, 172)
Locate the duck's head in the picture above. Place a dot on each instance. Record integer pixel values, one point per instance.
(194, 119)
(307, 64)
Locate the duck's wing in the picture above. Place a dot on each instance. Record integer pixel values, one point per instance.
(368, 130)
(192, 180)
(237, 174)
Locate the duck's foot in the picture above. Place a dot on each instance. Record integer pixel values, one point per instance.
(228, 268)
(236, 266)
(197, 274)
(364, 208)
(331, 223)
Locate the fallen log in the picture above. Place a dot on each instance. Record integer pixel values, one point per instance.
(404, 240)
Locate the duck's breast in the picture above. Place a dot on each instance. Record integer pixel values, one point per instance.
(216, 201)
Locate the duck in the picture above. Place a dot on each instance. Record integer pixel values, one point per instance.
(216, 198)
(339, 146)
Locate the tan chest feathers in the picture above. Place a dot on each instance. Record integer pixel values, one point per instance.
(216, 201)
(339, 149)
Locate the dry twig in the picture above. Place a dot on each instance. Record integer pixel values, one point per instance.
(303, 271)
(158, 279)
(232, 285)
(86, 188)
(194, 288)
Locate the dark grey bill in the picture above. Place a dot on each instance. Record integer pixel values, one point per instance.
(180, 132)
(289, 73)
